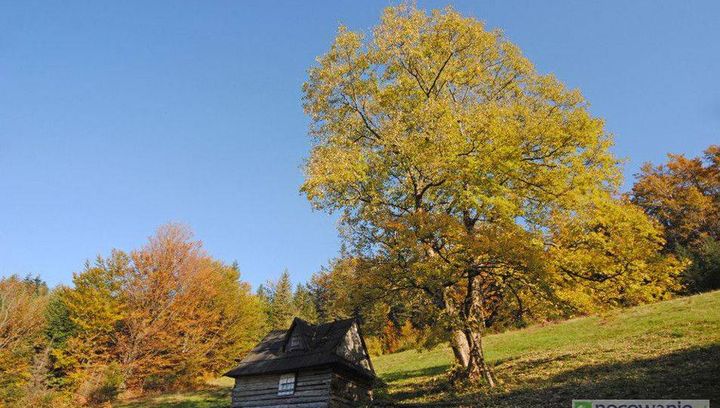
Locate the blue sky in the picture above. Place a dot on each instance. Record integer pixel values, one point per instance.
(117, 117)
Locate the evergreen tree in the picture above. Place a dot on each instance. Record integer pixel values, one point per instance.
(304, 304)
(280, 308)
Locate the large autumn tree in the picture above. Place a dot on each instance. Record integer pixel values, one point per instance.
(466, 177)
(163, 316)
(684, 196)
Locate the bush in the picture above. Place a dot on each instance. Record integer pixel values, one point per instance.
(374, 345)
(409, 337)
(104, 387)
(704, 272)
(45, 399)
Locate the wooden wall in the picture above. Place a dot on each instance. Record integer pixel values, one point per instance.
(347, 391)
(312, 390)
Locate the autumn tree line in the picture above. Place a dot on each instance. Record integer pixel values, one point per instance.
(163, 317)
(474, 193)
(160, 317)
(168, 316)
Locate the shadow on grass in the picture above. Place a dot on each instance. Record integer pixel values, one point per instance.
(428, 371)
(688, 374)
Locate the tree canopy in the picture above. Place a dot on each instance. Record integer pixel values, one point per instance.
(684, 196)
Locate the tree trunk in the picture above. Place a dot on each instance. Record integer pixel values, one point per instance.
(477, 366)
(460, 348)
(465, 342)
(474, 327)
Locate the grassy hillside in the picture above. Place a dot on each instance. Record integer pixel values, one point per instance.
(665, 350)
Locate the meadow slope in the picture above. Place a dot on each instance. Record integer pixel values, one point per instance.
(665, 350)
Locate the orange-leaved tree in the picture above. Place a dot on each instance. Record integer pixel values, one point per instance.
(164, 316)
(684, 196)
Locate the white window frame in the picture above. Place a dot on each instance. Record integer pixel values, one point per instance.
(286, 384)
(295, 342)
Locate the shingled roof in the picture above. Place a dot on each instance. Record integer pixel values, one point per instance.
(321, 341)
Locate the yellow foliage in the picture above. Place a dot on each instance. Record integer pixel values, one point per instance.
(609, 254)
(468, 177)
(21, 323)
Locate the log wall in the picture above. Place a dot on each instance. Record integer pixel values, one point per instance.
(312, 390)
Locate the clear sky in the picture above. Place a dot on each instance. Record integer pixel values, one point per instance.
(117, 117)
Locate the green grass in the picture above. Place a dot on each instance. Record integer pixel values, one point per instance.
(665, 350)
(216, 395)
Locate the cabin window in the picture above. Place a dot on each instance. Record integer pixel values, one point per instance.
(295, 342)
(286, 386)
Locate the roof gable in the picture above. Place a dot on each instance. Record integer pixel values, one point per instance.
(300, 329)
(352, 348)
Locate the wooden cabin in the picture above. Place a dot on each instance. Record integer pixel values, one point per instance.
(306, 366)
